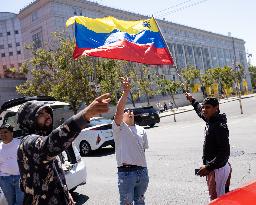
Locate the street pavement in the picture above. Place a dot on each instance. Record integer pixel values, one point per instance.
(175, 151)
(190, 107)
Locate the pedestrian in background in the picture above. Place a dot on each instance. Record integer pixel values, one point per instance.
(9, 170)
(130, 144)
(216, 149)
(165, 106)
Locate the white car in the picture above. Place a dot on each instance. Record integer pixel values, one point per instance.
(75, 172)
(95, 137)
(74, 167)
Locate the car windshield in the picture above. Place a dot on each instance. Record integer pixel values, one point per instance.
(99, 120)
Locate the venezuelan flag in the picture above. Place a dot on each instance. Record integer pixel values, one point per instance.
(108, 37)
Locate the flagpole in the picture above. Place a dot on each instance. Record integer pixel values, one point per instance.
(175, 66)
(182, 82)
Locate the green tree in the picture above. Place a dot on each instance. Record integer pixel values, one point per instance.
(145, 81)
(133, 73)
(223, 76)
(252, 70)
(108, 73)
(206, 80)
(189, 75)
(55, 73)
(169, 87)
(239, 73)
(226, 78)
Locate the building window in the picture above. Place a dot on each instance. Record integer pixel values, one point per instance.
(189, 55)
(37, 40)
(3, 55)
(17, 44)
(1, 46)
(1, 34)
(241, 58)
(18, 52)
(16, 32)
(9, 45)
(34, 16)
(206, 58)
(10, 53)
(8, 33)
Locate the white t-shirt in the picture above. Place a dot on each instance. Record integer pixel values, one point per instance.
(8, 158)
(130, 144)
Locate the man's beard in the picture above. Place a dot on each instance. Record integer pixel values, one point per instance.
(45, 129)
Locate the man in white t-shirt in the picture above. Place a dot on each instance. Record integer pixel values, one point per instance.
(9, 170)
(130, 144)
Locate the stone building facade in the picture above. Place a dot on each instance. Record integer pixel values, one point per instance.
(11, 54)
(189, 46)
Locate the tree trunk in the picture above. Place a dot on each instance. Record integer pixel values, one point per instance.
(174, 117)
(132, 100)
(147, 98)
(174, 100)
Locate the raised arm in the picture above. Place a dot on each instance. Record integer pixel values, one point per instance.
(118, 118)
(45, 148)
(196, 105)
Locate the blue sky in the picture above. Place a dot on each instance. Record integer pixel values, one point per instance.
(218, 16)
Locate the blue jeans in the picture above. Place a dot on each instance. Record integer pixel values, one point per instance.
(132, 186)
(11, 189)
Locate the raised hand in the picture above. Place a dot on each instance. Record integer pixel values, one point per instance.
(189, 97)
(126, 85)
(98, 106)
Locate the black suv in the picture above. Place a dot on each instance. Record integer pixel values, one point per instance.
(144, 116)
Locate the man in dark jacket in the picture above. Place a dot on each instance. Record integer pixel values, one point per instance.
(42, 178)
(216, 149)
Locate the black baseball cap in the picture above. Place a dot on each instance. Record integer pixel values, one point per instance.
(211, 101)
(6, 126)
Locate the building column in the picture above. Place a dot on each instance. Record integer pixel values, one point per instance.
(184, 54)
(194, 60)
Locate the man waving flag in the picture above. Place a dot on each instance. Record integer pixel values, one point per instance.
(138, 41)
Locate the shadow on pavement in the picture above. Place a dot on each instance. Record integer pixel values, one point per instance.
(102, 152)
(150, 127)
(79, 198)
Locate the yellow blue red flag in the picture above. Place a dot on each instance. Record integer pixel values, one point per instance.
(108, 37)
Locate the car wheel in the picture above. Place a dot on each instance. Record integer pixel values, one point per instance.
(85, 148)
(152, 125)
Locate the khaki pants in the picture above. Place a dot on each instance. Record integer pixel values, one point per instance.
(218, 181)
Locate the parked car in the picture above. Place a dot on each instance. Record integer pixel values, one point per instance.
(75, 172)
(99, 120)
(146, 116)
(244, 195)
(96, 136)
(74, 167)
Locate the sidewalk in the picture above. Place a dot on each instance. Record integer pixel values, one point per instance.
(190, 107)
